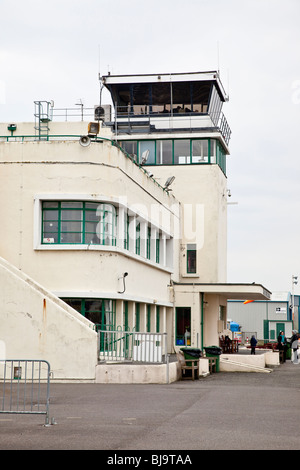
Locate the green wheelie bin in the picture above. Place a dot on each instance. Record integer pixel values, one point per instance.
(214, 351)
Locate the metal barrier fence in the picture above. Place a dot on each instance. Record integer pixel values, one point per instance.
(25, 387)
(123, 345)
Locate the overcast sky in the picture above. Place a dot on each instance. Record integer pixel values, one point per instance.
(54, 51)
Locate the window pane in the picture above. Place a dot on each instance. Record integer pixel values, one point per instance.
(181, 151)
(74, 303)
(71, 215)
(164, 152)
(138, 240)
(71, 226)
(50, 204)
(50, 227)
(130, 148)
(50, 237)
(191, 261)
(144, 146)
(91, 238)
(93, 310)
(71, 205)
(200, 151)
(70, 237)
(106, 228)
(92, 205)
(91, 216)
(91, 227)
(50, 215)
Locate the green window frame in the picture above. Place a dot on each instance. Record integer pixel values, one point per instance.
(148, 253)
(148, 318)
(157, 319)
(191, 259)
(101, 312)
(126, 232)
(126, 323)
(78, 222)
(157, 254)
(179, 151)
(137, 316)
(138, 239)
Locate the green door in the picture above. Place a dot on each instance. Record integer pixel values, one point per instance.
(279, 327)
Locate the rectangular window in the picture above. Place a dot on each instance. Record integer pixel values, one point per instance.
(130, 147)
(137, 317)
(101, 312)
(164, 152)
(75, 222)
(200, 151)
(191, 259)
(147, 152)
(182, 152)
(157, 319)
(126, 232)
(148, 254)
(157, 248)
(148, 318)
(126, 325)
(138, 239)
(183, 326)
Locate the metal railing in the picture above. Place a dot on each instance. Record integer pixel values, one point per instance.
(121, 345)
(25, 387)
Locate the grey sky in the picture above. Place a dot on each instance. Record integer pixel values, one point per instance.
(54, 51)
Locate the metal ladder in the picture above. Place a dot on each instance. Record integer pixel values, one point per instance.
(43, 115)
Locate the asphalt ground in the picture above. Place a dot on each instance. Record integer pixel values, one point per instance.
(224, 411)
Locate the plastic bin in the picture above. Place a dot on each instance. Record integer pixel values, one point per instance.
(214, 351)
(191, 353)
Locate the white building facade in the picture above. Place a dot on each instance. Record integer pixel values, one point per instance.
(121, 230)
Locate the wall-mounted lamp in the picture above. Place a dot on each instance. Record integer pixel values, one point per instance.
(123, 277)
(168, 183)
(12, 128)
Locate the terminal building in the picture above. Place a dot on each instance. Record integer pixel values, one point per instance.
(117, 223)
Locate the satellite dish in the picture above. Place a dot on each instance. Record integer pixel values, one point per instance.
(84, 141)
(145, 156)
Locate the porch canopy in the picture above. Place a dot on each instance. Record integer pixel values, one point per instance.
(233, 291)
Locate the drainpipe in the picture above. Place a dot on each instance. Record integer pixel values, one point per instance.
(202, 315)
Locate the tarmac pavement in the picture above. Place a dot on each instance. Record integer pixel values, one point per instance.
(224, 411)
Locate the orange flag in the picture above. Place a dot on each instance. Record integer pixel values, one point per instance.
(248, 301)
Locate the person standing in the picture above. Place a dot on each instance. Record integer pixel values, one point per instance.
(281, 340)
(253, 343)
(294, 346)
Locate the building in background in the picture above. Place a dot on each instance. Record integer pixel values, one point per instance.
(117, 223)
(264, 318)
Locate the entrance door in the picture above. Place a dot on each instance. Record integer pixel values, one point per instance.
(279, 327)
(183, 326)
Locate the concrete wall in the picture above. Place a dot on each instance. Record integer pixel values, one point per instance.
(37, 325)
(201, 189)
(63, 170)
(249, 363)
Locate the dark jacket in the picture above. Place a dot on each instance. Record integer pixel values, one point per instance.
(253, 341)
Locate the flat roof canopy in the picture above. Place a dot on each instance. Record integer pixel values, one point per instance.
(115, 81)
(233, 291)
